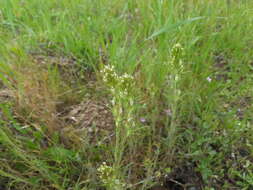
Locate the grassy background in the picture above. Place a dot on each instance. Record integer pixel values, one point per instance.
(179, 115)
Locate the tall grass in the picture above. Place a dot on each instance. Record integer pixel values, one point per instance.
(176, 107)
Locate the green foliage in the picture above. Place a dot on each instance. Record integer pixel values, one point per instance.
(177, 76)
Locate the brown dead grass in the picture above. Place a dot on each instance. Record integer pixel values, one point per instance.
(49, 101)
(36, 97)
(91, 113)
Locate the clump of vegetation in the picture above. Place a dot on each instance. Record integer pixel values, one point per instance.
(119, 95)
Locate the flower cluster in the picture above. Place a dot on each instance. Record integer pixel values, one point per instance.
(109, 75)
(105, 172)
(177, 53)
(175, 70)
(108, 178)
(177, 50)
(118, 84)
(122, 89)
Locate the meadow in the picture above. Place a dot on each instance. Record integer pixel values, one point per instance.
(126, 95)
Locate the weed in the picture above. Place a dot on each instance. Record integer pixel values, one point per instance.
(161, 117)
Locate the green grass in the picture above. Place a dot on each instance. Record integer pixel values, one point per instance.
(180, 116)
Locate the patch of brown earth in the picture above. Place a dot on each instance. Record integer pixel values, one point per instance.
(242, 105)
(79, 110)
(5, 94)
(91, 113)
(181, 178)
(221, 67)
(67, 66)
(92, 117)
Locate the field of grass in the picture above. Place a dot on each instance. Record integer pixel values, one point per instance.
(126, 95)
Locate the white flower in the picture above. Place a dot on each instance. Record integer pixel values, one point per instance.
(209, 79)
(143, 120)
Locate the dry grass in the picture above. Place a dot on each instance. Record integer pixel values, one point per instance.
(43, 98)
(36, 97)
